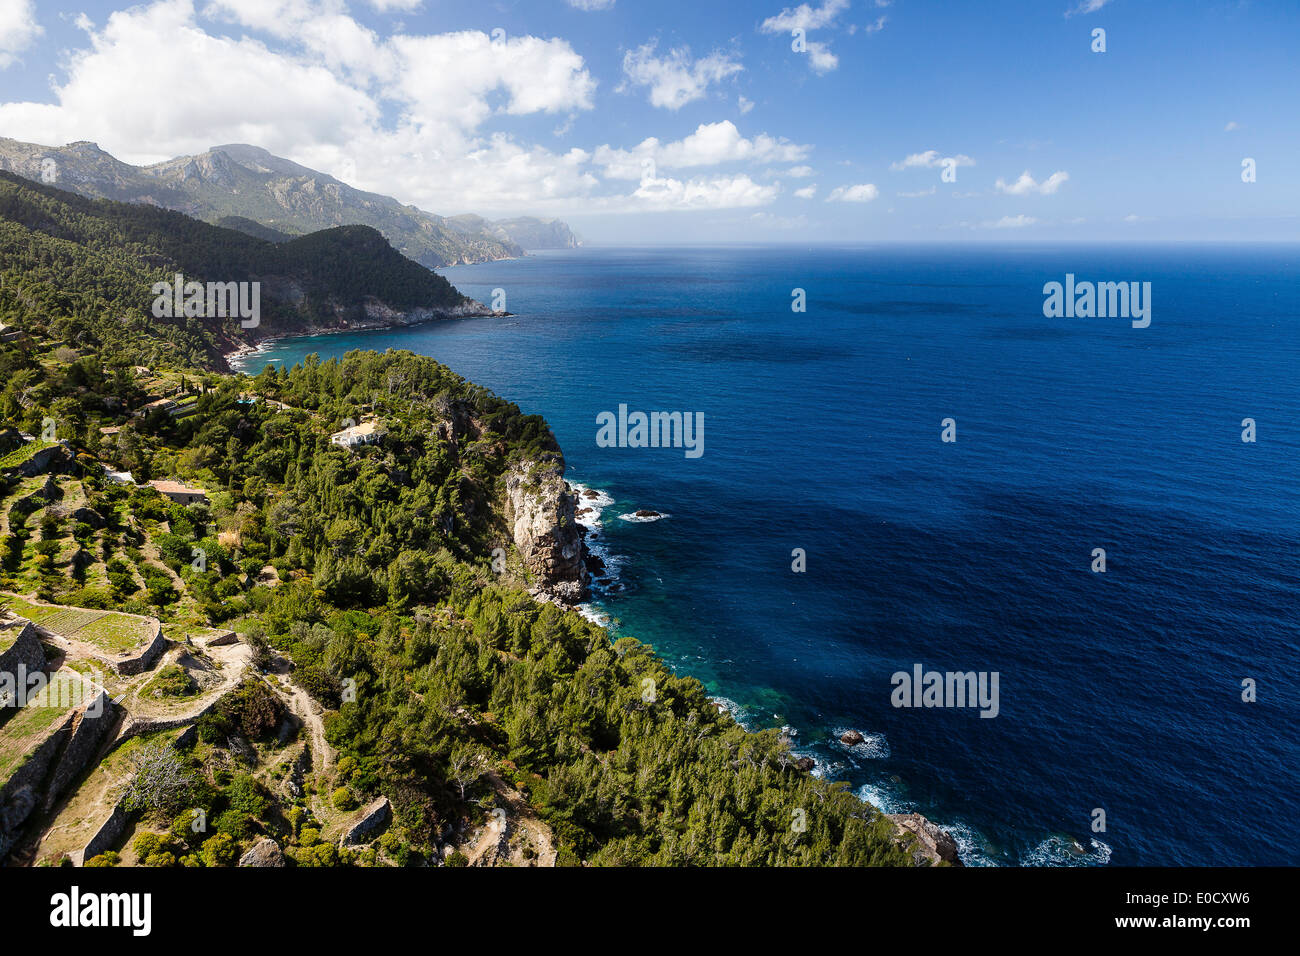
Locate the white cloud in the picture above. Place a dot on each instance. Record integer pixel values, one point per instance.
(112, 92)
(675, 79)
(929, 159)
(920, 192)
(18, 29)
(719, 192)
(808, 192)
(1232, 124)
(805, 17)
(590, 5)
(383, 6)
(1011, 222)
(277, 17)
(744, 104)
(380, 112)
(864, 192)
(779, 222)
(799, 172)
(821, 57)
(1026, 185)
(710, 145)
(536, 76)
(877, 26)
(1086, 6)
(326, 112)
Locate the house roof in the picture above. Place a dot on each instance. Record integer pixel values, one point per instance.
(175, 488)
(364, 430)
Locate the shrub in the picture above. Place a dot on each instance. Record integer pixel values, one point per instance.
(172, 681)
(220, 850)
(160, 781)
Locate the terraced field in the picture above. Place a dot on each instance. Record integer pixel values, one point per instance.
(23, 732)
(107, 630)
(83, 813)
(23, 453)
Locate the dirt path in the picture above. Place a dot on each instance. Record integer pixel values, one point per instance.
(308, 711)
(228, 662)
(512, 834)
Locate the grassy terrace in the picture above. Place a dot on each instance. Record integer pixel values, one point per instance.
(31, 725)
(92, 802)
(107, 630)
(19, 455)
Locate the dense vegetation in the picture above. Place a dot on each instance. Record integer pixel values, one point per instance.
(446, 684)
(82, 271)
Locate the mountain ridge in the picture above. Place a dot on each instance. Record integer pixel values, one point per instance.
(53, 241)
(245, 182)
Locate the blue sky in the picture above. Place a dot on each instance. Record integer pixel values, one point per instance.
(696, 121)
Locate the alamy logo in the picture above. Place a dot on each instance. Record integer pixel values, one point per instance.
(21, 689)
(73, 909)
(923, 688)
(1084, 300)
(655, 430)
(216, 300)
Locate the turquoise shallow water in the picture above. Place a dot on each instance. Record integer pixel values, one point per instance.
(1119, 691)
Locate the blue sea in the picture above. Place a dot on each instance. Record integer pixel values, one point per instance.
(1119, 691)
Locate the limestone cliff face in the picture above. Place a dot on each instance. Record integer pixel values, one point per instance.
(541, 513)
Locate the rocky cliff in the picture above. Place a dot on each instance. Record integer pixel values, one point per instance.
(541, 513)
(526, 231)
(930, 845)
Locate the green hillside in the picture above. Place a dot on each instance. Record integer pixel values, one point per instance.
(82, 271)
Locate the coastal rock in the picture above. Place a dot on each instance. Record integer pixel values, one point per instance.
(647, 513)
(851, 738)
(929, 842)
(265, 852)
(542, 516)
(806, 764)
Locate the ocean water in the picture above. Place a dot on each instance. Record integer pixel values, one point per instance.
(1119, 691)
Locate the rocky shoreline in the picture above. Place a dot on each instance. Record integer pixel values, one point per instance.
(378, 318)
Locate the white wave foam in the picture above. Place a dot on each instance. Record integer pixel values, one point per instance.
(883, 798)
(595, 614)
(872, 747)
(595, 505)
(1059, 850)
(738, 713)
(643, 519)
(592, 502)
(972, 848)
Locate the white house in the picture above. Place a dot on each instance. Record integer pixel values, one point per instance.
(362, 434)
